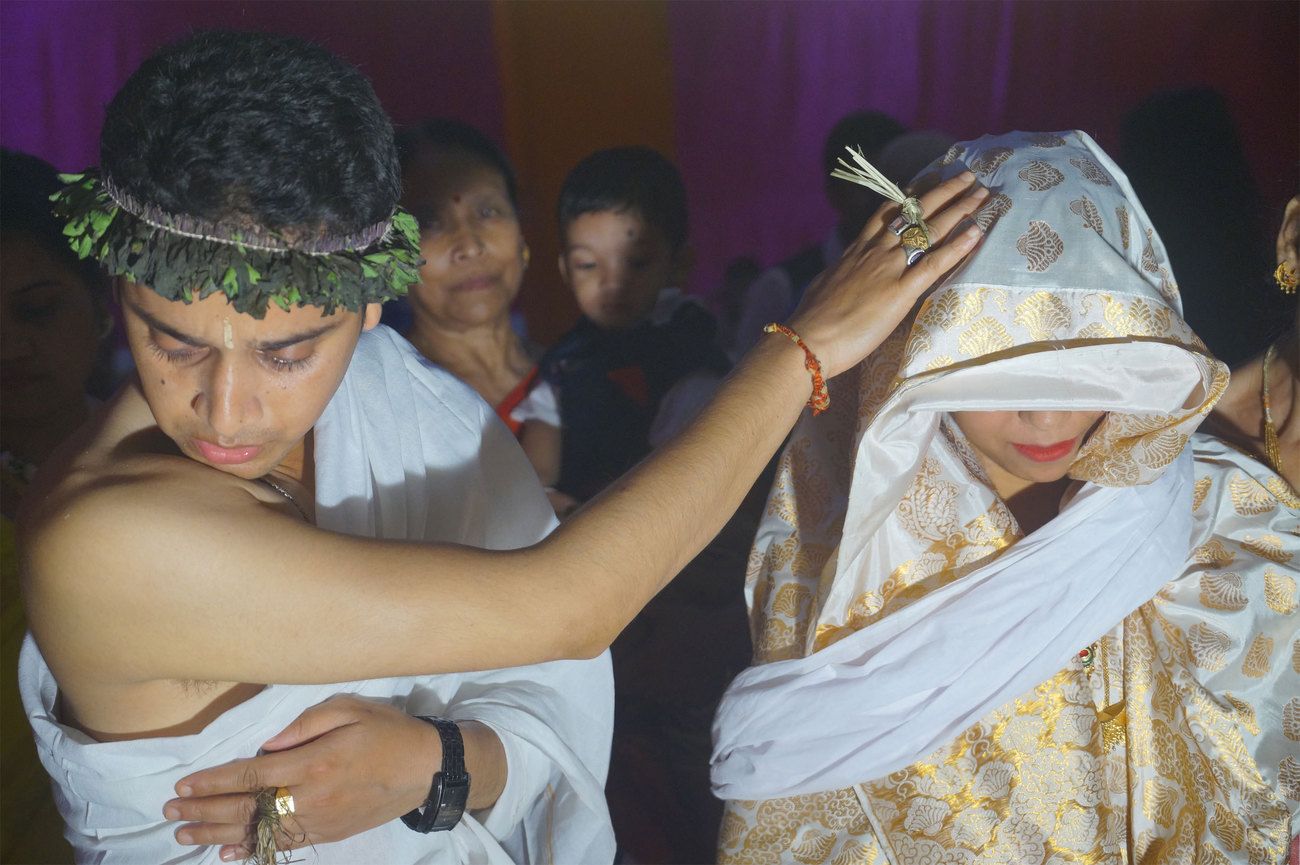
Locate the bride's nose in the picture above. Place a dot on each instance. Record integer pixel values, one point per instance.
(1045, 420)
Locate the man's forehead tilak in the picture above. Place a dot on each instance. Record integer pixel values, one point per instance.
(182, 333)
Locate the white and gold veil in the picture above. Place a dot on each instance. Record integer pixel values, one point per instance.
(894, 601)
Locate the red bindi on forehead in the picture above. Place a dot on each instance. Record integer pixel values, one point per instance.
(455, 199)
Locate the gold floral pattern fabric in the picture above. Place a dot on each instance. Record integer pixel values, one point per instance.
(1205, 770)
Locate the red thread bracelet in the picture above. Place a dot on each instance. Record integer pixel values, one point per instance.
(820, 399)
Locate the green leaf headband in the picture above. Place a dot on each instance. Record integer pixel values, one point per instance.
(182, 257)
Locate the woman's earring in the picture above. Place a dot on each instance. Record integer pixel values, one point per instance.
(528, 254)
(1285, 276)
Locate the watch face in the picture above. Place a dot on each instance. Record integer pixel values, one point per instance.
(450, 790)
(453, 794)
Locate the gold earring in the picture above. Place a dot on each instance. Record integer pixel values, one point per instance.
(528, 254)
(1285, 276)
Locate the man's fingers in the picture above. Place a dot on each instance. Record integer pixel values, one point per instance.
(236, 852)
(237, 808)
(320, 719)
(240, 836)
(238, 775)
(205, 834)
(248, 775)
(242, 851)
(214, 829)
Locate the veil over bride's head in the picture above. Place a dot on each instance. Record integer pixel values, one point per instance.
(1069, 304)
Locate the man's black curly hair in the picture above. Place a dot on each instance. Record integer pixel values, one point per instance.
(444, 133)
(253, 126)
(627, 178)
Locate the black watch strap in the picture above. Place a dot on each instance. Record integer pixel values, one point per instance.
(449, 792)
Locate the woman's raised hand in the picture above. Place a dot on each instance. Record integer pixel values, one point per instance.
(849, 310)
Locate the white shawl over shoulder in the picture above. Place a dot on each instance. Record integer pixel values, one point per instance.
(403, 451)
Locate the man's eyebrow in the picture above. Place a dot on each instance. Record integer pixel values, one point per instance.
(277, 344)
(165, 328)
(269, 345)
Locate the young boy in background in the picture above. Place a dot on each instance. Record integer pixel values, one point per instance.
(635, 368)
(643, 357)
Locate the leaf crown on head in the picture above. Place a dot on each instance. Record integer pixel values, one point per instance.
(186, 258)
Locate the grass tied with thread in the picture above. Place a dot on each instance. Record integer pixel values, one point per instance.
(865, 174)
(267, 832)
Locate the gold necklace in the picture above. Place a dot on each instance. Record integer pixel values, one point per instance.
(1272, 449)
(1112, 716)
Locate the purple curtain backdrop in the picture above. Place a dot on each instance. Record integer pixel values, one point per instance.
(759, 84)
(61, 61)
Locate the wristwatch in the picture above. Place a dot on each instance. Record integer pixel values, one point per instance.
(449, 792)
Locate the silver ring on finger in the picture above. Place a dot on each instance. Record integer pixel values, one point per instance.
(899, 225)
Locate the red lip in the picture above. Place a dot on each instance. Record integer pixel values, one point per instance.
(227, 456)
(1047, 453)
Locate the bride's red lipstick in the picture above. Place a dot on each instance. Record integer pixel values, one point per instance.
(1047, 453)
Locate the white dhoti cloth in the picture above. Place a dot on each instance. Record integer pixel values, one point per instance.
(403, 451)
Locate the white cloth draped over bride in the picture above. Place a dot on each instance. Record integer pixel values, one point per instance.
(917, 695)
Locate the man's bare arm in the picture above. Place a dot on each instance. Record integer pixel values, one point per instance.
(154, 579)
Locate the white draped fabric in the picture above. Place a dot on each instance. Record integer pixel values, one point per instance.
(403, 451)
(890, 692)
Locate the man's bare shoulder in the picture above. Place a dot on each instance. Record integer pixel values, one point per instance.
(112, 493)
(141, 495)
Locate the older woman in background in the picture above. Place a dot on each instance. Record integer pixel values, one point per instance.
(461, 188)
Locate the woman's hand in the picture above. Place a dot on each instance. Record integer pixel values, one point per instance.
(849, 310)
(351, 764)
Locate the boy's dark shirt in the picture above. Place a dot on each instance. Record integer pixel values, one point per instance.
(611, 384)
